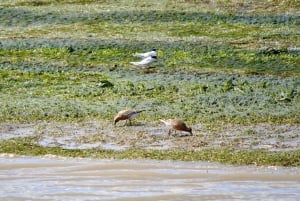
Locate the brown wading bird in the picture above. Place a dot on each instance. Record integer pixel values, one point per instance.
(126, 115)
(176, 124)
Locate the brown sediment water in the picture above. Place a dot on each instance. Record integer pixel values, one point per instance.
(54, 178)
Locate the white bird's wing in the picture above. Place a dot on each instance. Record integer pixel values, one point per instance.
(141, 55)
(146, 54)
(144, 62)
(147, 61)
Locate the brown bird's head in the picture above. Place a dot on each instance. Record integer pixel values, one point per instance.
(116, 119)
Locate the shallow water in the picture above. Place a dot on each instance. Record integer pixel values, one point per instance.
(51, 178)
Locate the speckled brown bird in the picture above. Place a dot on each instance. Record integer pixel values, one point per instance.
(176, 124)
(126, 115)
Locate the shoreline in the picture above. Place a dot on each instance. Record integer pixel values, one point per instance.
(236, 145)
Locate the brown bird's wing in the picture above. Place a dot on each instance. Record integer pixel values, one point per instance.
(129, 113)
(179, 125)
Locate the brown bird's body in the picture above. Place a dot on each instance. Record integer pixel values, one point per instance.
(126, 115)
(176, 124)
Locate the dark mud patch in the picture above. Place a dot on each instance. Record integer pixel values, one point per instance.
(102, 134)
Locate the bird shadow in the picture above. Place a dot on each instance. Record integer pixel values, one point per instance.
(181, 135)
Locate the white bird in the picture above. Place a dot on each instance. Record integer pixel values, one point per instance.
(146, 54)
(145, 62)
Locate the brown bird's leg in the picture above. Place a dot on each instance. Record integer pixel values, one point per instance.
(169, 133)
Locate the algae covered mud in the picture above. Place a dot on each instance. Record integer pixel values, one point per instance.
(230, 69)
(48, 178)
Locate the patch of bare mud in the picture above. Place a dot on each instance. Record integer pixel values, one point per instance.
(94, 133)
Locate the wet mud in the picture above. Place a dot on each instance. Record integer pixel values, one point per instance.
(94, 133)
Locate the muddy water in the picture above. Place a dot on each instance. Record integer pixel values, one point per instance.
(23, 178)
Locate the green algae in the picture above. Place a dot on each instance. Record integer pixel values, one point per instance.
(210, 98)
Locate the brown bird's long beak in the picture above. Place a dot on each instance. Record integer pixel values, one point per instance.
(191, 132)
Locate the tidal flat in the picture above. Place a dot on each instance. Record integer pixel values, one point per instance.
(229, 69)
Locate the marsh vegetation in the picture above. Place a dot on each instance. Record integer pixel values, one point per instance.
(223, 65)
